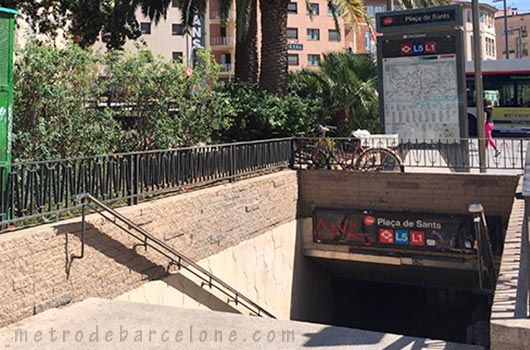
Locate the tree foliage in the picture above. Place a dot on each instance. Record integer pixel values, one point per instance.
(85, 20)
(411, 4)
(52, 89)
(70, 102)
(261, 115)
(346, 86)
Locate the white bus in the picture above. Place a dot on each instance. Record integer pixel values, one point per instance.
(507, 84)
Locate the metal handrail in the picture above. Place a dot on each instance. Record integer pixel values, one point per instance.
(487, 274)
(175, 257)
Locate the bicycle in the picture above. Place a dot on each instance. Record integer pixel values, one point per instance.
(348, 154)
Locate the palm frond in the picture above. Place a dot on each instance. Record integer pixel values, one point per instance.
(411, 4)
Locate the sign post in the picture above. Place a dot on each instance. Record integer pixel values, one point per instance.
(7, 30)
(422, 77)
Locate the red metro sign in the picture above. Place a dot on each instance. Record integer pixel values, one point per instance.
(419, 48)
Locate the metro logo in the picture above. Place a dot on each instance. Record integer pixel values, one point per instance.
(369, 220)
(417, 238)
(387, 21)
(418, 48)
(386, 235)
(431, 47)
(406, 49)
(402, 236)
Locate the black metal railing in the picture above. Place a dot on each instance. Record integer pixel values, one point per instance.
(175, 258)
(461, 154)
(487, 272)
(47, 189)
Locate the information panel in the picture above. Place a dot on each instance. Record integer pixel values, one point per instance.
(420, 80)
(411, 231)
(421, 74)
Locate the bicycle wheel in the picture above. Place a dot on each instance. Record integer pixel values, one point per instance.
(309, 157)
(378, 159)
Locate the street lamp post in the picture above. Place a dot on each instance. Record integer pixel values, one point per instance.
(390, 5)
(479, 94)
(507, 55)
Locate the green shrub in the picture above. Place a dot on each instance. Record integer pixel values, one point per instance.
(52, 91)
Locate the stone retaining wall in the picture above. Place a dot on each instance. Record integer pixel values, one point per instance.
(199, 224)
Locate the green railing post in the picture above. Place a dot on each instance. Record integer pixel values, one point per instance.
(7, 33)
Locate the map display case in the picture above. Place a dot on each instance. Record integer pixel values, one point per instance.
(421, 74)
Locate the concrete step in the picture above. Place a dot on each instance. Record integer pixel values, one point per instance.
(119, 325)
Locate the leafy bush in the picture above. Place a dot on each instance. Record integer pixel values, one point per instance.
(160, 105)
(52, 88)
(345, 87)
(70, 102)
(261, 115)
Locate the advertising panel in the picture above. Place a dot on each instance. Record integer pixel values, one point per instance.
(397, 230)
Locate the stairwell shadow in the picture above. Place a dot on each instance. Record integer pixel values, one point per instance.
(339, 336)
(110, 247)
(199, 294)
(134, 261)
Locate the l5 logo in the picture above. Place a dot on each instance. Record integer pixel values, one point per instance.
(388, 21)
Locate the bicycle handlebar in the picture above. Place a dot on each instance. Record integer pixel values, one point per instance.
(325, 128)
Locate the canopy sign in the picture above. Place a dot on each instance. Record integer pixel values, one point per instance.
(398, 230)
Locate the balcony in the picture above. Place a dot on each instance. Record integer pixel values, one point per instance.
(221, 41)
(225, 67)
(216, 14)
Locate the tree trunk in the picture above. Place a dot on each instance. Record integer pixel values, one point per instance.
(273, 74)
(246, 43)
(340, 120)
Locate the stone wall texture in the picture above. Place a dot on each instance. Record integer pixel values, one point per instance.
(420, 192)
(260, 268)
(33, 262)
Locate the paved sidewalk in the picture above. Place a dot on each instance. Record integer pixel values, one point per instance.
(105, 324)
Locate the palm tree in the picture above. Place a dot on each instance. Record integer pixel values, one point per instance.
(273, 73)
(350, 83)
(246, 69)
(411, 4)
(274, 36)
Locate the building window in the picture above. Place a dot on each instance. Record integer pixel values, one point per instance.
(177, 56)
(313, 60)
(333, 9)
(313, 9)
(333, 35)
(292, 8)
(226, 58)
(468, 12)
(175, 3)
(367, 41)
(292, 58)
(313, 34)
(292, 33)
(145, 28)
(379, 9)
(370, 10)
(177, 29)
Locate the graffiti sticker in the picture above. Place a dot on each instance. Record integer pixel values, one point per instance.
(418, 231)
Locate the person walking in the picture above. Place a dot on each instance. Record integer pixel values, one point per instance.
(488, 126)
